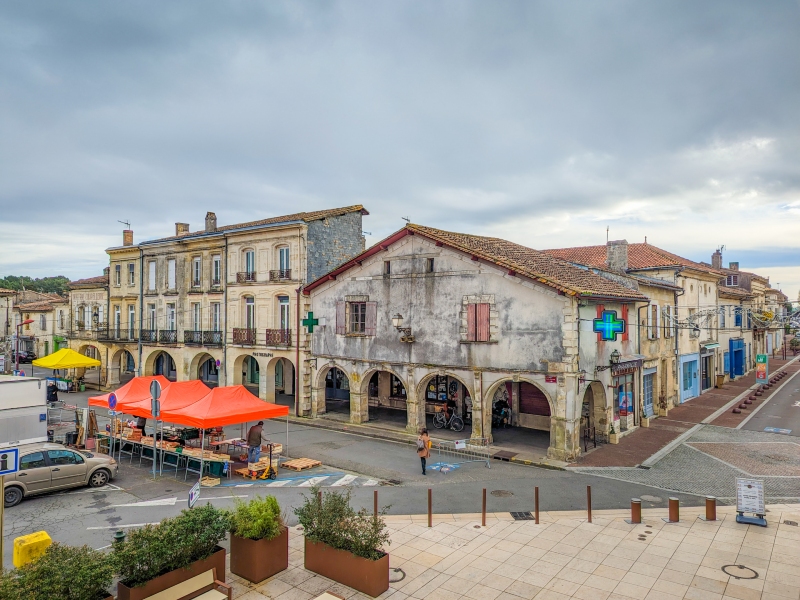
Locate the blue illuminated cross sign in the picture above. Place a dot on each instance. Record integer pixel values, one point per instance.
(310, 322)
(609, 326)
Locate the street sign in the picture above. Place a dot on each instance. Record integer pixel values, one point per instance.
(750, 499)
(194, 494)
(155, 390)
(9, 461)
(112, 401)
(155, 408)
(460, 444)
(762, 369)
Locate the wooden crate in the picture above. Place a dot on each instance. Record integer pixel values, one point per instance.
(210, 481)
(300, 464)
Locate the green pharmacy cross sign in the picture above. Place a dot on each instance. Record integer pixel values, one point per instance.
(310, 322)
(608, 326)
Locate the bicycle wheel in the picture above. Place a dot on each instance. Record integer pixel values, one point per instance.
(457, 424)
(438, 420)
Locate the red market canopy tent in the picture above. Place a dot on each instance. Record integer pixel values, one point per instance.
(176, 395)
(136, 390)
(224, 406)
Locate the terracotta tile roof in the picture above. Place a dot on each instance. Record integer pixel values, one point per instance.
(307, 217)
(640, 256)
(6, 292)
(39, 306)
(531, 263)
(90, 280)
(733, 292)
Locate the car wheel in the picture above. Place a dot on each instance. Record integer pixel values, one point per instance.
(13, 496)
(99, 478)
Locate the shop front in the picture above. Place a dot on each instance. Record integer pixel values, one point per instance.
(689, 376)
(707, 364)
(624, 380)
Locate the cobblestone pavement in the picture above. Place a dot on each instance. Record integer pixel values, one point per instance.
(567, 557)
(690, 468)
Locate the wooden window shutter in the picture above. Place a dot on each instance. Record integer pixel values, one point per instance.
(472, 322)
(625, 320)
(341, 316)
(371, 322)
(600, 309)
(483, 322)
(658, 322)
(650, 322)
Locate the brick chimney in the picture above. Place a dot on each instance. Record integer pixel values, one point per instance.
(181, 228)
(617, 255)
(211, 221)
(127, 237)
(716, 259)
(734, 266)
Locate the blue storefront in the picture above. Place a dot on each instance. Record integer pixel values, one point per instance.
(689, 379)
(735, 364)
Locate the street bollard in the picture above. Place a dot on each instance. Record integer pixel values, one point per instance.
(483, 509)
(589, 502)
(375, 502)
(119, 536)
(636, 511)
(674, 511)
(711, 508)
(319, 497)
(430, 507)
(536, 504)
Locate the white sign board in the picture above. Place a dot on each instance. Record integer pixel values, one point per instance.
(9, 461)
(750, 496)
(461, 444)
(194, 494)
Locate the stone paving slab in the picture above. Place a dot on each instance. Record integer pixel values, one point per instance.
(567, 557)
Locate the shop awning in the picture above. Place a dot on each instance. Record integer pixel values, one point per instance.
(136, 390)
(175, 396)
(66, 359)
(710, 345)
(224, 406)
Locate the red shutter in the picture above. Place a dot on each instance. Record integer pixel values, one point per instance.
(532, 400)
(600, 309)
(483, 323)
(341, 316)
(625, 320)
(371, 322)
(472, 323)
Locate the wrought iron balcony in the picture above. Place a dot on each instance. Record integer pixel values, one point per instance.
(280, 275)
(168, 336)
(193, 337)
(245, 336)
(246, 277)
(212, 338)
(149, 335)
(215, 283)
(196, 283)
(279, 337)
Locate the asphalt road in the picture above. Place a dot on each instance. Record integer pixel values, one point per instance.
(782, 411)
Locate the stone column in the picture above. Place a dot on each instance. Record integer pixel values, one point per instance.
(359, 407)
(288, 377)
(385, 388)
(565, 423)
(264, 391)
(515, 403)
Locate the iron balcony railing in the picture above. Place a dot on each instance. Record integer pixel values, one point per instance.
(212, 338)
(243, 335)
(246, 277)
(215, 283)
(193, 337)
(149, 335)
(279, 337)
(280, 275)
(168, 336)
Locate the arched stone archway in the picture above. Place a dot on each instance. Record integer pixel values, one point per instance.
(122, 368)
(435, 389)
(93, 377)
(247, 372)
(383, 396)
(529, 411)
(161, 362)
(278, 382)
(331, 391)
(204, 367)
(594, 410)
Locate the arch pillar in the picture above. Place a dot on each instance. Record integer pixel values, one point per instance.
(359, 407)
(565, 422)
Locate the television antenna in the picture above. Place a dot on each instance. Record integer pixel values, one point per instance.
(406, 219)
(366, 233)
(126, 223)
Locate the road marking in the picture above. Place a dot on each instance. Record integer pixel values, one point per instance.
(344, 481)
(370, 483)
(161, 502)
(214, 497)
(106, 488)
(121, 526)
(777, 430)
(313, 481)
(279, 483)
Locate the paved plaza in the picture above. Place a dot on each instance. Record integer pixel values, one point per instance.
(567, 557)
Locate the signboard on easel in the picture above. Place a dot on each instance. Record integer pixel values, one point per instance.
(750, 499)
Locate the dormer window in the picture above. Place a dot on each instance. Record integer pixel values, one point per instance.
(732, 280)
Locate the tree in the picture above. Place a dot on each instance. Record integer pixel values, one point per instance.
(45, 285)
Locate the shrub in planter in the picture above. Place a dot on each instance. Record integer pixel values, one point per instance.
(259, 539)
(345, 545)
(63, 572)
(173, 544)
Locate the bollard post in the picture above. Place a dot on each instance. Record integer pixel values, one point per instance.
(375, 502)
(711, 508)
(674, 511)
(536, 504)
(483, 509)
(430, 507)
(319, 497)
(636, 511)
(589, 502)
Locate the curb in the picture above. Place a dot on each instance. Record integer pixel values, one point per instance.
(767, 401)
(534, 463)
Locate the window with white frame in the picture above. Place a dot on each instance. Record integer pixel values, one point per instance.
(43, 322)
(215, 316)
(131, 320)
(250, 261)
(131, 274)
(61, 319)
(283, 258)
(196, 324)
(171, 274)
(283, 310)
(151, 317)
(118, 275)
(101, 317)
(216, 269)
(151, 275)
(171, 316)
(722, 310)
(196, 271)
(653, 321)
(732, 280)
(668, 321)
(249, 312)
(117, 319)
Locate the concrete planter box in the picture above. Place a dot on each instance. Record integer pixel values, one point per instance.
(257, 560)
(613, 438)
(369, 577)
(167, 580)
(645, 422)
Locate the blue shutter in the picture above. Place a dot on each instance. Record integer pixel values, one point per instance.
(727, 367)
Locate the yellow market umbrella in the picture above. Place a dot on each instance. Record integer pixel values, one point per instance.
(66, 359)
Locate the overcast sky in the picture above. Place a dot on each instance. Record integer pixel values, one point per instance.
(540, 122)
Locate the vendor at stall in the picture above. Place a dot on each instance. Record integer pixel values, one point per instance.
(255, 439)
(141, 423)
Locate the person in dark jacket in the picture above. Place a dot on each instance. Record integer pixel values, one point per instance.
(141, 422)
(254, 439)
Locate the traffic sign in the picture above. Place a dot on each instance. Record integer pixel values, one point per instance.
(155, 390)
(194, 494)
(112, 401)
(9, 461)
(155, 408)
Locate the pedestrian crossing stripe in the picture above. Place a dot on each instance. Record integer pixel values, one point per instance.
(346, 480)
(327, 480)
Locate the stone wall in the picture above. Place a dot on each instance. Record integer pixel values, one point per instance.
(333, 241)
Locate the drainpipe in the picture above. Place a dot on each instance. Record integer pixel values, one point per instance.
(225, 313)
(297, 357)
(141, 308)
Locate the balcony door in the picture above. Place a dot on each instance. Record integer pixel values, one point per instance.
(131, 320)
(283, 259)
(250, 312)
(117, 321)
(250, 261)
(283, 306)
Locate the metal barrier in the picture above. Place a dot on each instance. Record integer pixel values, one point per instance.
(467, 450)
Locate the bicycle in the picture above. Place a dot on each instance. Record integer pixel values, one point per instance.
(455, 422)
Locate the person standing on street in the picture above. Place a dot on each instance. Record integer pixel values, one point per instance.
(424, 448)
(141, 423)
(254, 437)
